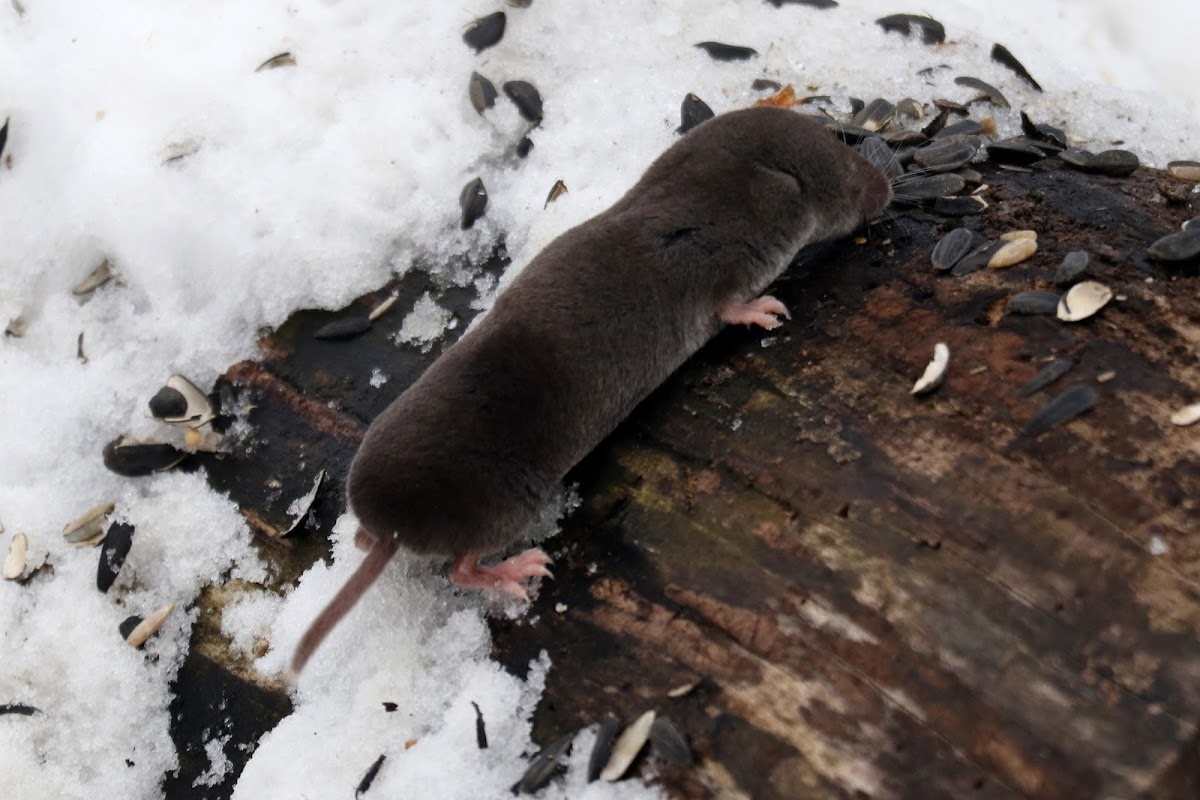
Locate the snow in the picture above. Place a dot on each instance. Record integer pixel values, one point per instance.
(226, 198)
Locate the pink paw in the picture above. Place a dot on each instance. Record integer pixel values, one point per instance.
(761, 312)
(505, 576)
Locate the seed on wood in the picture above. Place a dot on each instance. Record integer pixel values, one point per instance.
(133, 459)
(1031, 303)
(1014, 151)
(1013, 253)
(485, 31)
(935, 371)
(473, 201)
(908, 107)
(945, 156)
(720, 51)
(626, 748)
(1001, 55)
(1188, 415)
(680, 691)
(875, 115)
(19, 709)
(482, 93)
(668, 743)
(149, 626)
(1184, 170)
(88, 524)
(987, 91)
(932, 31)
(369, 777)
(382, 308)
(284, 59)
(1046, 376)
(117, 542)
(343, 328)
(99, 276)
(1064, 408)
(181, 402)
(299, 509)
(967, 127)
(14, 562)
(1177, 246)
(1014, 235)
(1115, 163)
(1083, 300)
(928, 187)
(1045, 133)
(976, 260)
(544, 765)
(953, 247)
(692, 112)
(602, 749)
(1106, 376)
(526, 98)
(959, 206)
(1190, 224)
(1073, 265)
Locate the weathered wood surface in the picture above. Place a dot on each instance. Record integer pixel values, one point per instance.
(881, 596)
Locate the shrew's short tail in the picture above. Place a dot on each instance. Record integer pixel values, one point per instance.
(371, 568)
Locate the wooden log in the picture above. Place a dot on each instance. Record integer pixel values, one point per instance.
(880, 596)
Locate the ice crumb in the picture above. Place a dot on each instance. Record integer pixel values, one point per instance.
(219, 764)
(378, 378)
(1157, 546)
(424, 325)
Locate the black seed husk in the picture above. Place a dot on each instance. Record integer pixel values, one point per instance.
(668, 743)
(951, 106)
(945, 156)
(369, 778)
(482, 93)
(1064, 408)
(1073, 265)
(692, 112)
(389, 706)
(902, 138)
(168, 402)
(936, 124)
(1178, 246)
(544, 765)
(1013, 151)
(1046, 133)
(881, 156)
(850, 134)
(3, 136)
(136, 460)
(473, 201)
(556, 191)
(1033, 303)
(1076, 157)
(719, 51)
(932, 31)
(875, 114)
(1117, 163)
(953, 247)
(485, 31)
(113, 551)
(764, 84)
(18, 708)
(929, 187)
(1001, 55)
(1046, 376)
(129, 624)
(908, 107)
(602, 749)
(343, 328)
(527, 99)
(284, 59)
(480, 730)
(856, 105)
(966, 206)
(993, 94)
(977, 259)
(967, 127)
(524, 146)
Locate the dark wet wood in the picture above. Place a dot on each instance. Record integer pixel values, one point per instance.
(880, 596)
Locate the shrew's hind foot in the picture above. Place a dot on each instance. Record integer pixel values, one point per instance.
(505, 576)
(763, 312)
